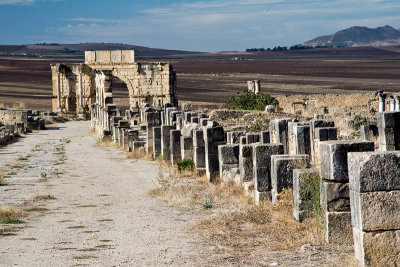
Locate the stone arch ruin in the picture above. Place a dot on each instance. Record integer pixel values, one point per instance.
(76, 87)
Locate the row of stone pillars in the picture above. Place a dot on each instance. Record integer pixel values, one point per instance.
(394, 102)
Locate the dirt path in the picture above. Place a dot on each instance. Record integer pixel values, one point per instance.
(102, 216)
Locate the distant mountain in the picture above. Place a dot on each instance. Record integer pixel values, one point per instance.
(359, 36)
(77, 50)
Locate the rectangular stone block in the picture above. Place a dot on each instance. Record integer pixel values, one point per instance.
(265, 137)
(374, 171)
(333, 157)
(246, 163)
(199, 157)
(214, 134)
(322, 134)
(228, 154)
(187, 147)
(389, 131)
(299, 138)
(166, 142)
(279, 132)
(138, 145)
(377, 248)
(156, 141)
(335, 196)
(262, 164)
(234, 137)
(252, 138)
(314, 124)
(282, 171)
(198, 138)
(369, 132)
(338, 228)
(175, 143)
(375, 211)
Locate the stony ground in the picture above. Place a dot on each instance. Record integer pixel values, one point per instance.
(102, 214)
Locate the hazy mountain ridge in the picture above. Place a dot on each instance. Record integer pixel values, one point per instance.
(77, 50)
(359, 36)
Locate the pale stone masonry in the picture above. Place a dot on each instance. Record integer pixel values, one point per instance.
(334, 174)
(389, 131)
(282, 167)
(75, 85)
(375, 202)
(262, 169)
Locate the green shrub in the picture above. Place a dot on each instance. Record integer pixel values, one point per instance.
(185, 165)
(358, 122)
(310, 193)
(248, 100)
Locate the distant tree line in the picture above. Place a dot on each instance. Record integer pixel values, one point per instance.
(50, 44)
(285, 48)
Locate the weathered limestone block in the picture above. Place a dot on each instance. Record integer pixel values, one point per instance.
(374, 171)
(252, 138)
(369, 132)
(377, 248)
(229, 173)
(338, 228)
(335, 196)
(246, 163)
(282, 167)
(187, 130)
(314, 124)
(175, 143)
(303, 201)
(133, 135)
(265, 137)
(228, 156)
(187, 147)
(138, 145)
(234, 137)
(299, 138)
(376, 211)
(156, 142)
(213, 137)
(389, 131)
(166, 142)
(322, 134)
(187, 107)
(199, 150)
(279, 132)
(262, 165)
(333, 158)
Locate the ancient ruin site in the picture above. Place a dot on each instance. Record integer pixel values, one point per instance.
(146, 179)
(200, 133)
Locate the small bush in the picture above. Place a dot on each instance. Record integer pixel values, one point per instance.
(44, 197)
(2, 179)
(185, 165)
(358, 122)
(248, 100)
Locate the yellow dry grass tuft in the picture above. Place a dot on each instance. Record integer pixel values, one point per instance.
(10, 215)
(138, 154)
(2, 178)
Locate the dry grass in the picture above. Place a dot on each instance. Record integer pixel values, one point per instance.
(234, 231)
(2, 179)
(138, 154)
(10, 215)
(43, 197)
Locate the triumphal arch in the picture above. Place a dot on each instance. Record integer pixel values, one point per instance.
(78, 86)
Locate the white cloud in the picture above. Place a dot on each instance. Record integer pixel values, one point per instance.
(16, 2)
(235, 24)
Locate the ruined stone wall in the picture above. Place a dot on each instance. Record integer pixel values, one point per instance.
(11, 117)
(74, 85)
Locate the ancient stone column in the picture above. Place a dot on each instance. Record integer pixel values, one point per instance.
(392, 104)
(397, 103)
(80, 109)
(58, 91)
(382, 99)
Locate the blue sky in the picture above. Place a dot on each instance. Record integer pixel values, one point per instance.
(213, 25)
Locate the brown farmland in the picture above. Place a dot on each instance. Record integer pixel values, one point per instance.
(215, 77)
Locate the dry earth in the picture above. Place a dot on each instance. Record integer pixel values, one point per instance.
(103, 215)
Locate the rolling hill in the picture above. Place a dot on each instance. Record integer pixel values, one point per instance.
(77, 50)
(359, 36)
